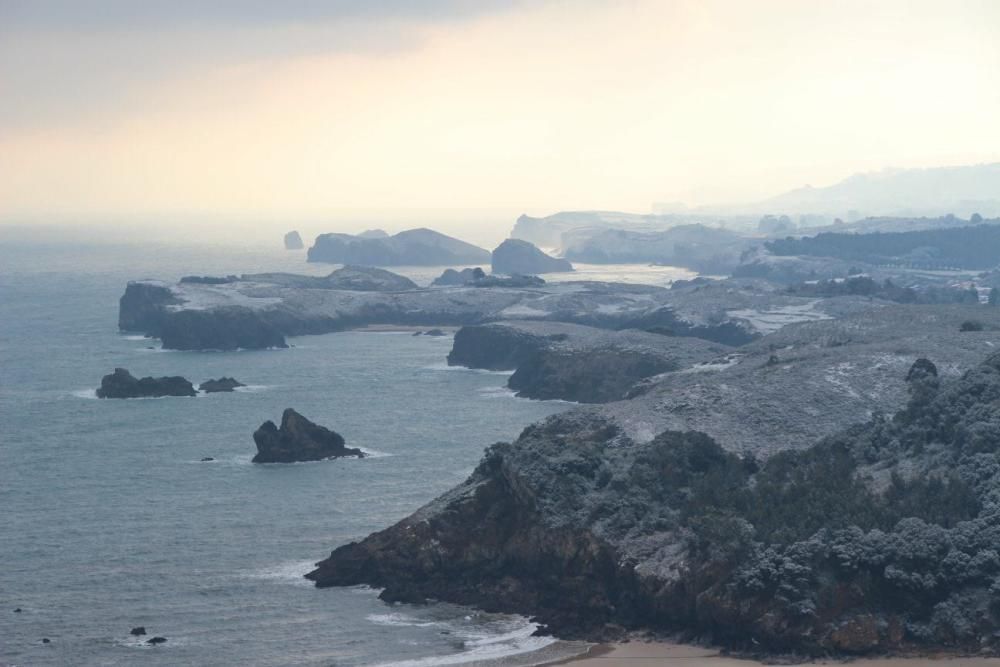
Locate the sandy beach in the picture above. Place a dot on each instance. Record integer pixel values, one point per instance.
(643, 654)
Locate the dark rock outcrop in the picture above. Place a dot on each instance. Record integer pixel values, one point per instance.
(143, 306)
(451, 277)
(572, 362)
(228, 328)
(515, 256)
(414, 247)
(157, 640)
(220, 385)
(298, 439)
(138, 631)
(122, 384)
(293, 241)
(515, 281)
(879, 539)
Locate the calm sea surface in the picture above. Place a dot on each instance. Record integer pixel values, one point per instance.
(109, 520)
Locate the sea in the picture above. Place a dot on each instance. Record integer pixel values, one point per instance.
(110, 519)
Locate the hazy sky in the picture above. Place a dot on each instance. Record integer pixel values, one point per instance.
(231, 111)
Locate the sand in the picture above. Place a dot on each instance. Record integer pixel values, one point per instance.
(644, 654)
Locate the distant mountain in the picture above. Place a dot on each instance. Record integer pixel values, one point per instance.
(937, 191)
(414, 247)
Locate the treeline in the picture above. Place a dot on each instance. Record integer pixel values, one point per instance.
(974, 247)
(865, 286)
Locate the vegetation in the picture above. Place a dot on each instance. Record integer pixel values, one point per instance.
(970, 247)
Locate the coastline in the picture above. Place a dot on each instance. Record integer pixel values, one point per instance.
(644, 654)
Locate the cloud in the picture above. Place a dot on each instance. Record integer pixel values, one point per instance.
(66, 61)
(41, 15)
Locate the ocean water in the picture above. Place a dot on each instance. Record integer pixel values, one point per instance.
(109, 519)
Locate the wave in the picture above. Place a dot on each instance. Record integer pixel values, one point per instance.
(398, 620)
(465, 369)
(374, 453)
(136, 337)
(517, 639)
(254, 388)
(85, 393)
(289, 572)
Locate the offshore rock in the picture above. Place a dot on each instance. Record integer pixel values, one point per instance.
(515, 256)
(293, 241)
(298, 439)
(414, 247)
(220, 385)
(122, 384)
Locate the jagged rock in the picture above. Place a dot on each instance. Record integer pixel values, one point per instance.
(222, 384)
(122, 384)
(293, 241)
(514, 256)
(137, 631)
(452, 277)
(298, 439)
(414, 247)
(157, 640)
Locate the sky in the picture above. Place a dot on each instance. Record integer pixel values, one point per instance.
(252, 116)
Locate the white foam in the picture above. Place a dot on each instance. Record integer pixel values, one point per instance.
(398, 620)
(465, 369)
(289, 572)
(497, 392)
(85, 393)
(136, 337)
(485, 647)
(253, 388)
(373, 453)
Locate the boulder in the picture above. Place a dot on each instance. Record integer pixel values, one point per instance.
(122, 384)
(298, 439)
(293, 241)
(137, 631)
(157, 640)
(514, 256)
(222, 384)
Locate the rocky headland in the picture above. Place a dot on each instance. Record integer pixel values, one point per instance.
(122, 384)
(515, 256)
(879, 537)
(827, 488)
(556, 360)
(259, 311)
(298, 439)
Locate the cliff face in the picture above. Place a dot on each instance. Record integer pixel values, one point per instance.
(881, 538)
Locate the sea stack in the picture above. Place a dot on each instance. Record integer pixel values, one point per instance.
(122, 384)
(517, 257)
(293, 241)
(298, 439)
